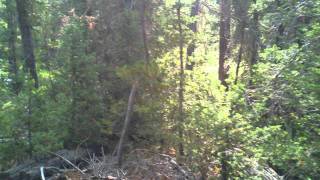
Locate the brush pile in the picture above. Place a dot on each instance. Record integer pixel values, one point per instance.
(80, 164)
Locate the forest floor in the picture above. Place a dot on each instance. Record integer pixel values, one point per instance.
(139, 164)
(80, 164)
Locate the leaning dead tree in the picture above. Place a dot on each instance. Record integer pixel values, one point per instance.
(127, 121)
(119, 150)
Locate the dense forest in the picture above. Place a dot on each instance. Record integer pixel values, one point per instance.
(227, 89)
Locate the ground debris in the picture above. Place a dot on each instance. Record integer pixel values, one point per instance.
(138, 165)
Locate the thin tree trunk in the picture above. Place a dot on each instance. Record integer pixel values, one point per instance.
(144, 32)
(27, 40)
(255, 44)
(29, 128)
(224, 34)
(224, 52)
(193, 27)
(240, 52)
(126, 123)
(12, 38)
(254, 57)
(181, 84)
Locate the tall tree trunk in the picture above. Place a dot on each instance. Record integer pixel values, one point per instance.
(28, 52)
(240, 51)
(12, 38)
(224, 35)
(126, 123)
(224, 52)
(193, 27)
(144, 32)
(255, 44)
(27, 40)
(181, 83)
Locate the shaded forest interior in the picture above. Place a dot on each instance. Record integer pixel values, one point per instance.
(217, 89)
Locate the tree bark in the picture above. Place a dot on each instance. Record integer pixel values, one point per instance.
(27, 40)
(240, 52)
(224, 35)
(193, 27)
(255, 44)
(12, 38)
(224, 52)
(28, 52)
(181, 83)
(127, 121)
(144, 32)
(29, 128)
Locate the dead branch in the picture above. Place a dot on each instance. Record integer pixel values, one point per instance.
(69, 162)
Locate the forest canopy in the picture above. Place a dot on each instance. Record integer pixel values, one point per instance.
(221, 86)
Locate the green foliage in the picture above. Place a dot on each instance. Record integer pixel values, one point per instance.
(88, 56)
